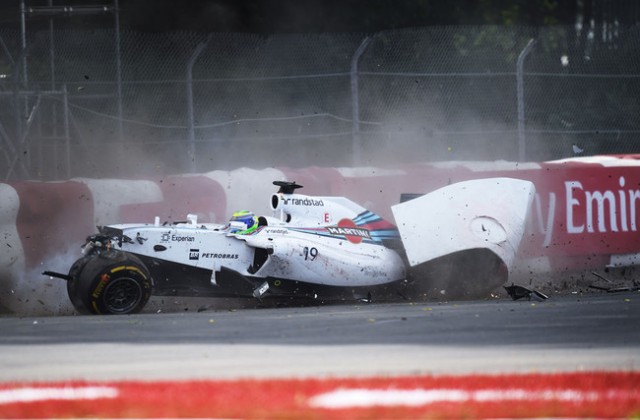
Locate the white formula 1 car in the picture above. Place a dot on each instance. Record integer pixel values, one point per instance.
(312, 247)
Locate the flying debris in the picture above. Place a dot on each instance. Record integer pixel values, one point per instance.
(612, 288)
(521, 292)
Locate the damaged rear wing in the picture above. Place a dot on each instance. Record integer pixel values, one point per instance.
(467, 234)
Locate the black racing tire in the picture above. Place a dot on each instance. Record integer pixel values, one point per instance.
(110, 283)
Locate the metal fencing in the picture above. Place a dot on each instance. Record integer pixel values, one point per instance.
(107, 104)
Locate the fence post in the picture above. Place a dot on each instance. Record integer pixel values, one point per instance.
(355, 104)
(520, 92)
(67, 133)
(23, 25)
(191, 149)
(116, 13)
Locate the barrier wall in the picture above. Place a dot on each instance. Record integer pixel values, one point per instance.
(12, 256)
(584, 216)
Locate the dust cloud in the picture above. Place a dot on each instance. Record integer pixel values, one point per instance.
(254, 127)
(30, 293)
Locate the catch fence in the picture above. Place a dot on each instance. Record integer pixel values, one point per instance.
(106, 104)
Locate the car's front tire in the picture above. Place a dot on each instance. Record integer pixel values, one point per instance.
(111, 282)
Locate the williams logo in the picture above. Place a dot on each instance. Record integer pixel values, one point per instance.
(194, 254)
(348, 229)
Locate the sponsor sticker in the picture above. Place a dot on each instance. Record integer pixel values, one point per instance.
(348, 229)
(168, 237)
(276, 231)
(303, 202)
(180, 238)
(222, 256)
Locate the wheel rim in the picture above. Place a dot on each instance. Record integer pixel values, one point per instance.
(122, 295)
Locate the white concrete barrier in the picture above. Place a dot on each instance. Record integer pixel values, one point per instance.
(109, 195)
(247, 189)
(12, 261)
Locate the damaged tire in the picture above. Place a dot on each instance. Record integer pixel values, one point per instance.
(110, 283)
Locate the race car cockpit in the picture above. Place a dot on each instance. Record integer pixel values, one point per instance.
(243, 222)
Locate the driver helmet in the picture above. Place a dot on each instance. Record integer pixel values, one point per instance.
(248, 218)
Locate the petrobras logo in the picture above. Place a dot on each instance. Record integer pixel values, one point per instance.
(222, 256)
(348, 229)
(308, 202)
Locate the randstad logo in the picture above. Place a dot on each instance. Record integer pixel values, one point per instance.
(303, 202)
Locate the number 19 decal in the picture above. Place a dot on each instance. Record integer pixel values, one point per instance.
(310, 253)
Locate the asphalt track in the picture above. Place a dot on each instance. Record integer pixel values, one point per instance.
(597, 331)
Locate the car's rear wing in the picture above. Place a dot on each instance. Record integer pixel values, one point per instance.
(463, 238)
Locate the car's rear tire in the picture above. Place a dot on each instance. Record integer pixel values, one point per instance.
(110, 283)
